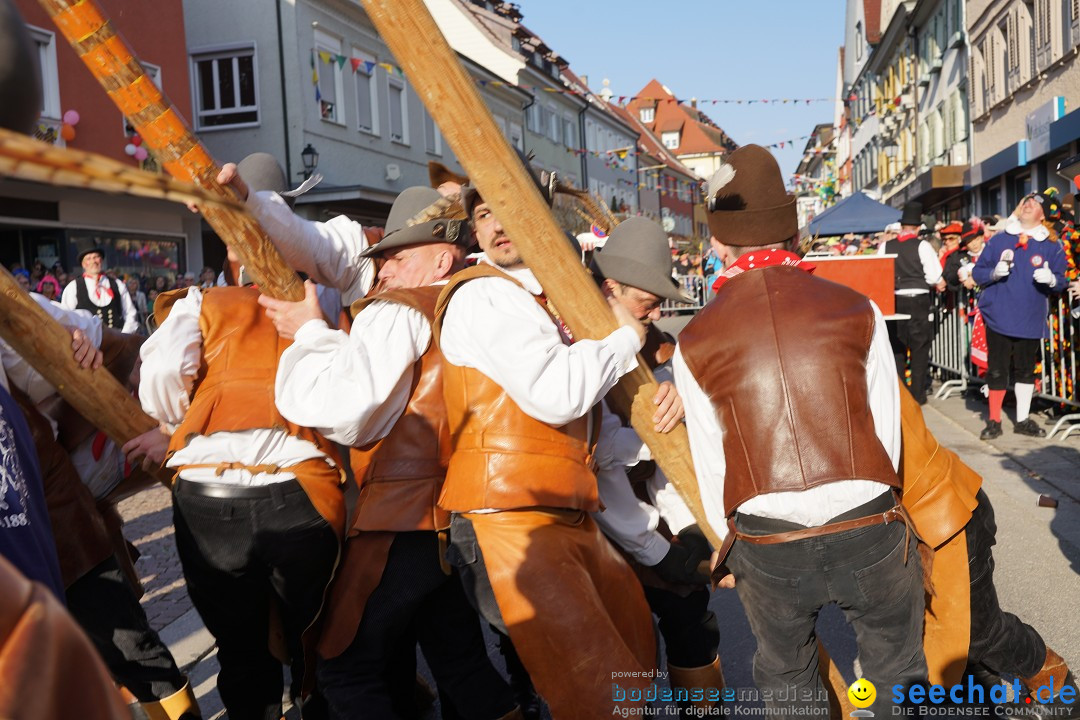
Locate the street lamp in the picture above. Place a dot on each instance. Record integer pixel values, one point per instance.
(310, 156)
(890, 150)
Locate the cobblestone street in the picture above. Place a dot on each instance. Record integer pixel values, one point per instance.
(148, 525)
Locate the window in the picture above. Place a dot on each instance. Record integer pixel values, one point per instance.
(555, 126)
(50, 78)
(517, 136)
(399, 110)
(226, 88)
(330, 87)
(647, 114)
(432, 136)
(154, 73)
(569, 133)
(671, 140)
(367, 96)
(858, 40)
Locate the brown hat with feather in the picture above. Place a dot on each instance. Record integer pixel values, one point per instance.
(747, 203)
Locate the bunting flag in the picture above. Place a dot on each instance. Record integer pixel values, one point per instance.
(356, 63)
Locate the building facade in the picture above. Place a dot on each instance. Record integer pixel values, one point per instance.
(40, 223)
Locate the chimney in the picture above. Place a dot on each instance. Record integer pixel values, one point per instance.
(585, 80)
(693, 102)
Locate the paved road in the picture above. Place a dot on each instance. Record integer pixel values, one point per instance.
(1038, 552)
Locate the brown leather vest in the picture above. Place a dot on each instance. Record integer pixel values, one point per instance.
(504, 459)
(234, 390)
(782, 356)
(401, 476)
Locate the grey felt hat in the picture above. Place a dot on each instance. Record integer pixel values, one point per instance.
(411, 202)
(637, 254)
(262, 171)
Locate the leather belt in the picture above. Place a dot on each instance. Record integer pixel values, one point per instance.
(893, 514)
(236, 492)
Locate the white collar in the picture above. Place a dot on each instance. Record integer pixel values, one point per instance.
(1039, 232)
(523, 275)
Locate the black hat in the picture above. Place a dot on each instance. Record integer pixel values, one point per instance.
(636, 254)
(912, 214)
(99, 250)
(399, 232)
(969, 231)
(1050, 202)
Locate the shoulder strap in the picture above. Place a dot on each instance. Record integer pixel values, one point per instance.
(421, 299)
(164, 302)
(476, 271)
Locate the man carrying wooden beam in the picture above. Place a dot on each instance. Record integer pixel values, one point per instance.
(378, 390)
(520, 397)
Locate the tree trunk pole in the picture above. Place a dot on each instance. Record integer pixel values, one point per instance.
(46, 345)
(451, 97)
(111, 61)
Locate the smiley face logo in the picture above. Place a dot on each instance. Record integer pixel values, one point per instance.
(862, 693)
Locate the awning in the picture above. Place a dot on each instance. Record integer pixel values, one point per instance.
(858, 213)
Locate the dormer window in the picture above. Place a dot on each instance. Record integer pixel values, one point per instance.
(647, 114)
(670, 140)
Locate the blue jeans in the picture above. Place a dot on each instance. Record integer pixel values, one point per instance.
(784, 586)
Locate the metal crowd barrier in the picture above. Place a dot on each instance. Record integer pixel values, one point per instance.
(692, 285)
(950, 354)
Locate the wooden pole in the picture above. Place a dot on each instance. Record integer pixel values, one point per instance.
(111, 61)
(451, 97)
(46, 345)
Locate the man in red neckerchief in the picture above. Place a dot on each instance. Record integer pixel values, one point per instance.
(100, 295)
(792, 408)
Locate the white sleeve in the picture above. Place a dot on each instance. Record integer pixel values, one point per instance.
(69, 298)
(616, 445)
(628, 521)
(930, 263)
(706, 444)
(131, 319)
(352, 388)
(883, 391)
(328, 252)
(669, 502)
(171, 360)
(498, 328)
(21, 374)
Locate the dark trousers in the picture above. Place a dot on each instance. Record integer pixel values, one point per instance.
(691, 634)
(106, 608)
(784, 586)
(1004, 352)
(415, 598)
(915, 334)
(999, 640)
(464, 554)
(239, 555)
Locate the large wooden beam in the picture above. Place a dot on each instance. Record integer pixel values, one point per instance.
(111, 61)
(46, 346)
(451, 97)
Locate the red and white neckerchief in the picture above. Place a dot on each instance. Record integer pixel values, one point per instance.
(1022, 241)
(760, 259)
(99, 282)
(906, 236)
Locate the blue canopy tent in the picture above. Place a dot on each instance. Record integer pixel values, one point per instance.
(858, 213)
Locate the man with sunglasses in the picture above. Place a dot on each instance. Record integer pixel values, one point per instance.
(1018, 271)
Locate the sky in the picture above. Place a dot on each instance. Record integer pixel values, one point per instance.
(709, 49)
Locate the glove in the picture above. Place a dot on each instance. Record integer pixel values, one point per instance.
(1002, 270)
(682, 564)
(1044, 275)
(963, 272)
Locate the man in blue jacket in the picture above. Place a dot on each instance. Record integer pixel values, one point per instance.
(1018, 271)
